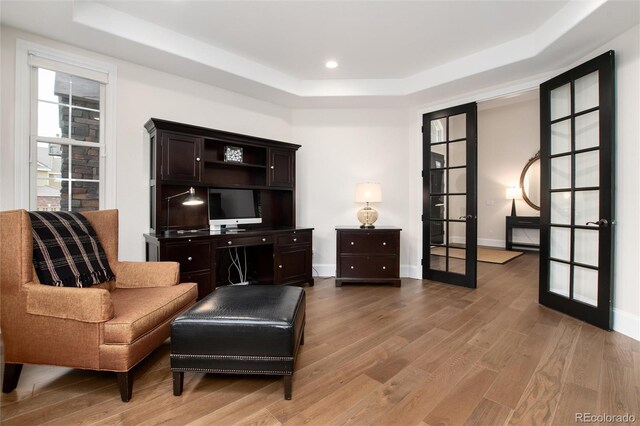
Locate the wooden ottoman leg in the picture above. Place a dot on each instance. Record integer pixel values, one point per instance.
(11, 377)
(178, 380)
(287, 386)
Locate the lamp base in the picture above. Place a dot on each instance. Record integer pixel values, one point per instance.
(367, 226)
(513, 207)
(367, 217)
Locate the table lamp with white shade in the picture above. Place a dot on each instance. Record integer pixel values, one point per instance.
(368, 193)
(513, 193)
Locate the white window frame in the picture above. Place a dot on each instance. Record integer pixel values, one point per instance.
(25, 138)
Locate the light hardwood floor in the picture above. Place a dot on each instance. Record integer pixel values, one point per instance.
(423, 354)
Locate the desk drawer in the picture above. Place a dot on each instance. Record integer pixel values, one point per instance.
(368, 267)
(295, 237)
(369, 242)
(239, 241)
(191, 256)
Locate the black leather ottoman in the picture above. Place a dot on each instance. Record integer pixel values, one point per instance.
(240, 330)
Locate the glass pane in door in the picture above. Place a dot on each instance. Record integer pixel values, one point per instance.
(438, 130)
(561, 102)
(561, 137)
(559, 278)
(587, 169)
(560, 243)
(587, 130)
(561, 208)
(585, 285)
(586, 89)
(457, 127)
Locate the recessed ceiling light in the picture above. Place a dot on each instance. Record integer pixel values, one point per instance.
(331, 64)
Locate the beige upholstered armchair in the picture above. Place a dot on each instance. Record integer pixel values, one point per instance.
(109, 327)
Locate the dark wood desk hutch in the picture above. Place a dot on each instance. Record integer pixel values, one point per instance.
(184, 156)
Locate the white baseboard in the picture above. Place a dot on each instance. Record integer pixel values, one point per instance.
(488, 242)
(324, 270)
(626, 323)
(329, 270)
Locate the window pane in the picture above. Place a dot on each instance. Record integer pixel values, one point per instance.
(85, 93)
(585, 285)
(561, 172)
(437, 232)
(587, 207)
(586, 92)
(437, 183)
(561, 208)
(50, 120)
(84, 196)
(457, 207)
(439, 130)
(586, 246)
(457, 236)
(85, 163)
(560, 243)
(437, 207)
(438, 156)
(588, 130)
(52, 86)
(559, 277)
(48, 176)
(458, 127)
(587, 169)
(85, 125)
(561, 137)
(561, 102)
(457, 180)
(458, 154)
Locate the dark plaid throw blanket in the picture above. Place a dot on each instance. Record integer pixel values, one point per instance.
(66, 250)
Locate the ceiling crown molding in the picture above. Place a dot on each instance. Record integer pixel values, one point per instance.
(117, 23)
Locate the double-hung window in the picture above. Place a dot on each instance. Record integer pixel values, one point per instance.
(69, 130)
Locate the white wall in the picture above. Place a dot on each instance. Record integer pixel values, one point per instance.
(342, 147)
(142, 93)
(626, 294)
(508, 136)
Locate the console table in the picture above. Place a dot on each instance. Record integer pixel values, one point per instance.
(368, 255)
(526, 222)
(273, 256)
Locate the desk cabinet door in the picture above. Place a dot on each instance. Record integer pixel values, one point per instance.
(281, 168)
(181, 157)
(293, 264)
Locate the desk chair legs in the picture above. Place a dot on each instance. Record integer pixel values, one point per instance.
(11, 377)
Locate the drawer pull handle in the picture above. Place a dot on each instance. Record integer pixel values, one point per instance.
(352, 267)
(295, 239)
(384, 244)
(280, 266)
(189, 241)
(264, 239)
(384, 267)
(229, 242)
(197, 158)
(272, 167)
(189, 258)
(352, 243)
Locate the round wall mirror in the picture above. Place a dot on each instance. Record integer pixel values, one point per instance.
(530, 182)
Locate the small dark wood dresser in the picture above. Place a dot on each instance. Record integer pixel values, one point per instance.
(368, 255)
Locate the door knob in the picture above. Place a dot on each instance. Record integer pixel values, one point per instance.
(602, 222)
(467, 217)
